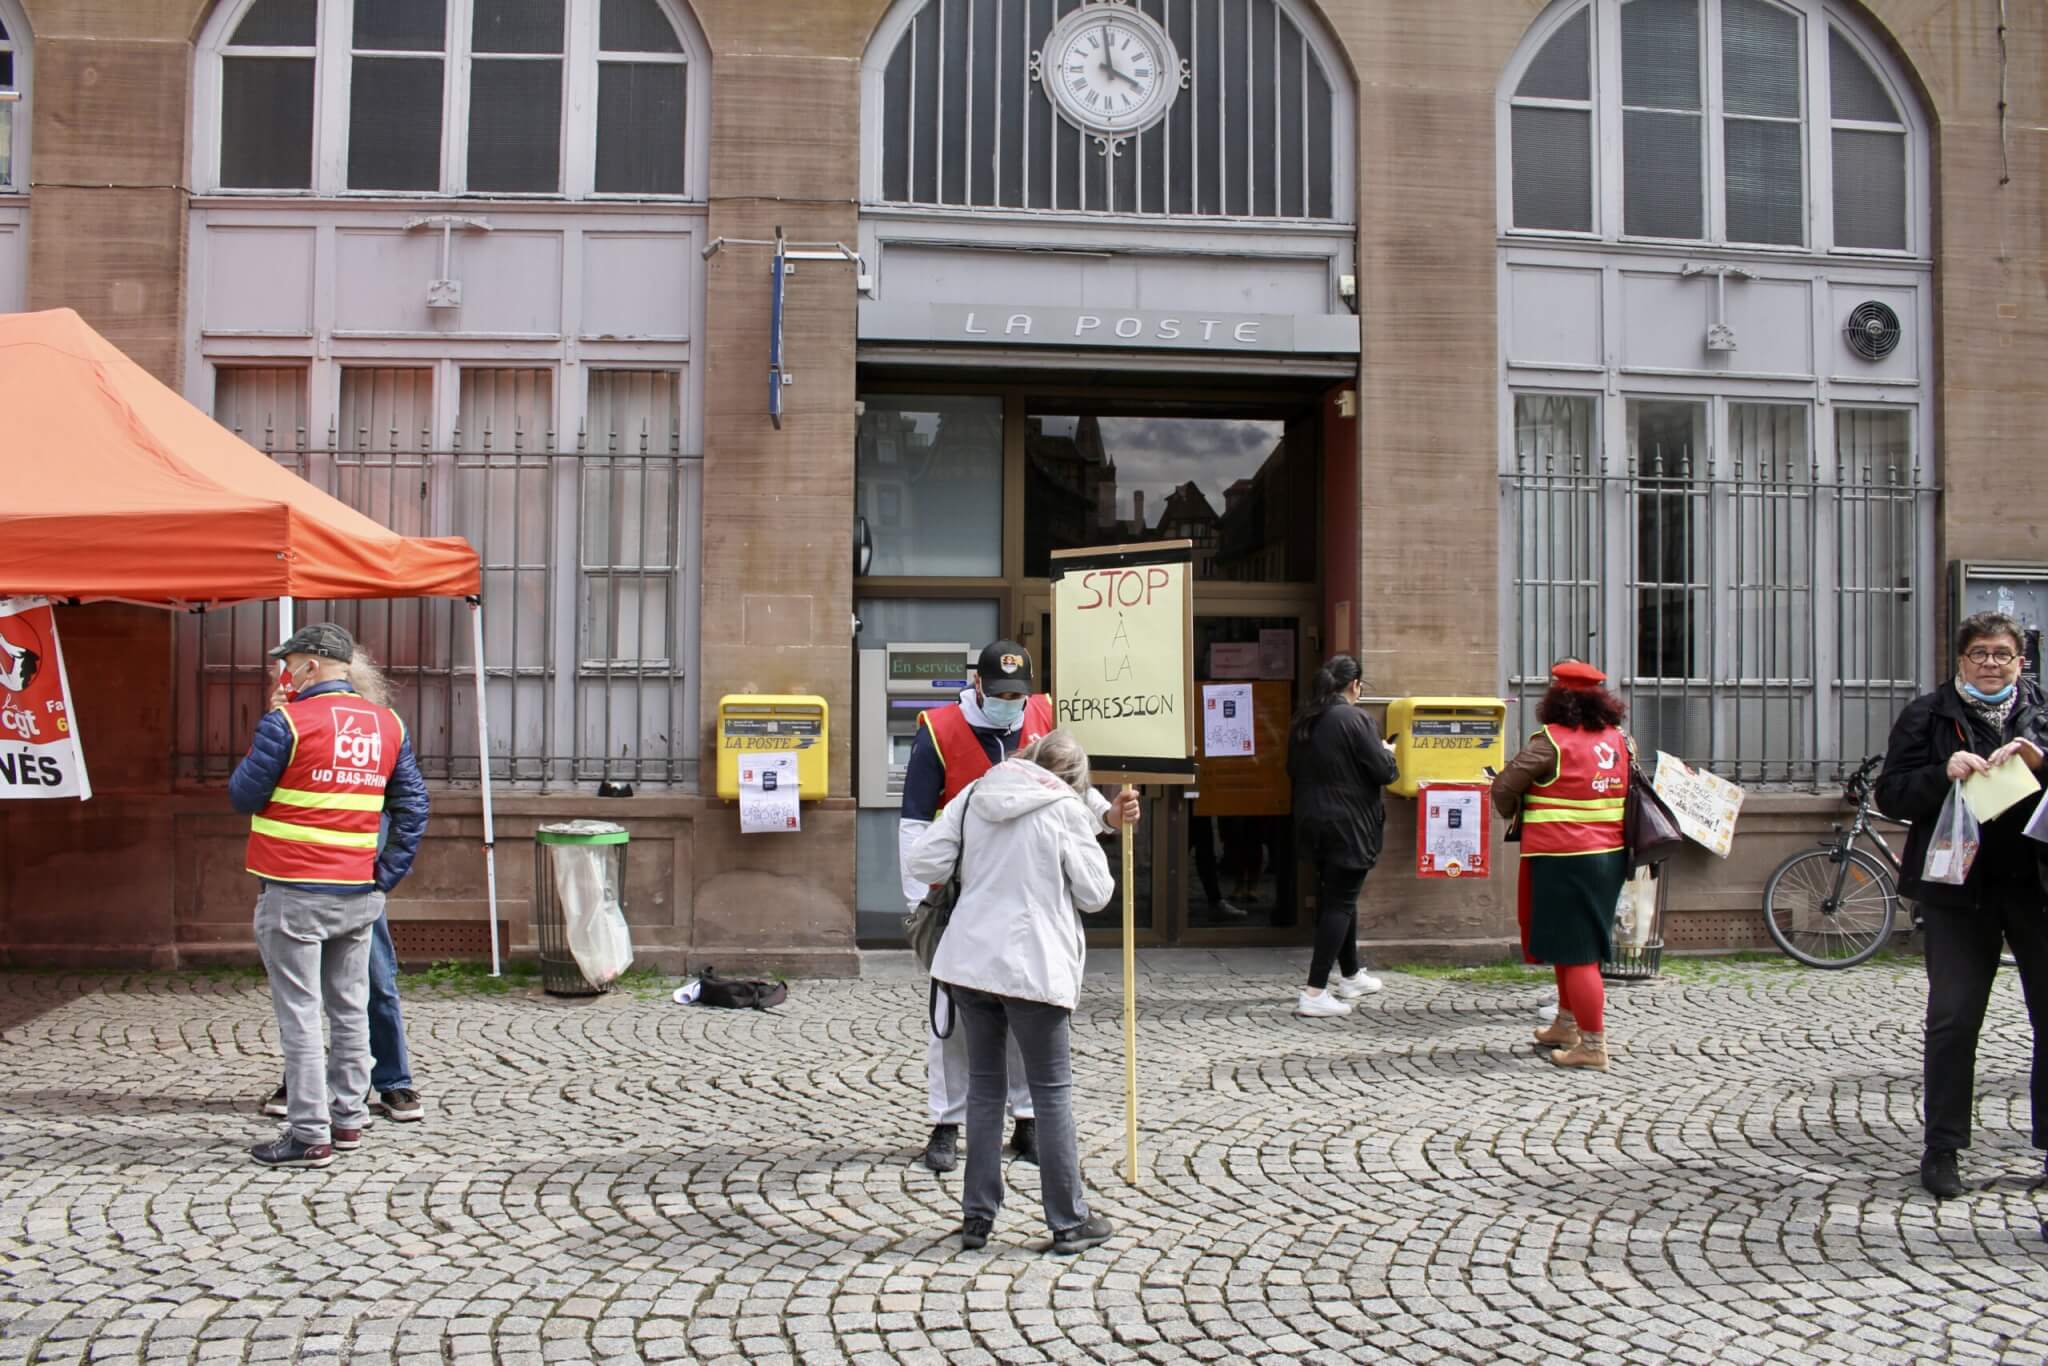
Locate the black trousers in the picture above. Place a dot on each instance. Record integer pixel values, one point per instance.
(1962, 962)
(1337, 892)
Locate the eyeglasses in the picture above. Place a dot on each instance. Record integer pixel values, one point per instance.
(1990, 656)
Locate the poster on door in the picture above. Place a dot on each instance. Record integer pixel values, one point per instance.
(39, 750)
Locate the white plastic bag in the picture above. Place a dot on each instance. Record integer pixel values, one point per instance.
(1635, 916)
(1954, 846)
(598, 937)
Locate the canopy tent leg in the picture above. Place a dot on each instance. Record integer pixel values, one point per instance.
(483, 763)
(284, 620)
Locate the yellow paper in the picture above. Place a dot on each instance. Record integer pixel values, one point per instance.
(1992, 794)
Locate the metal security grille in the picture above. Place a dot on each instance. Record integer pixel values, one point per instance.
(587, 625)
(1760, 616)
(1253, 135)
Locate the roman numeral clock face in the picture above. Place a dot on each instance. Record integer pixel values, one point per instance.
(1110, 69)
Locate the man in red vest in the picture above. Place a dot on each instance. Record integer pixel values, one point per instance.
(995, 717)
(324, 769)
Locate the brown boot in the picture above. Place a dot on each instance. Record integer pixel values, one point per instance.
(1563, 1032)
(1590, 1051)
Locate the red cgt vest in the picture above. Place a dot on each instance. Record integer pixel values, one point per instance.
(321, 823)
(1579, 811)
(960, 751)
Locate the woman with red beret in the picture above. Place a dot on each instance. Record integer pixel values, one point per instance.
(1570, 786)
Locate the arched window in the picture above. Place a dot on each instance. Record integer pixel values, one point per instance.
(1762, 123)
(959, 111)
(453, 97)
(14, 64)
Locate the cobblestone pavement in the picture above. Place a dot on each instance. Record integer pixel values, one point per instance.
(629, 1179)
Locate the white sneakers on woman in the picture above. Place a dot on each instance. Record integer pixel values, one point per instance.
(1320, 1005)
(1360, 983)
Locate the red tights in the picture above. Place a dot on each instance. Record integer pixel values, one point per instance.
(1580, 990)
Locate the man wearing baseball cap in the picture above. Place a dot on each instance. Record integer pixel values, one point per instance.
(325, 767)
(997, 715)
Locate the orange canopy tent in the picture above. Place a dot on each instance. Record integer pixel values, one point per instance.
(112, 486)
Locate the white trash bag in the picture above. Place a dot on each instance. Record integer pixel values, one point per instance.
(599, 939)
(1635, 915)
(1954, 846)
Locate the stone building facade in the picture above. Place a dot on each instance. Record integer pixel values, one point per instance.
(1459, 334)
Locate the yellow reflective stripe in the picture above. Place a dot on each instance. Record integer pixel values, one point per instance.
(329, 801)
(1571, 817)
(309, 834)
(1582, 803)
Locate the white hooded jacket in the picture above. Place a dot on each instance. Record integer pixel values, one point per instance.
(1032, 866)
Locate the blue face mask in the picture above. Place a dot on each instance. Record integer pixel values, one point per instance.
(1991, 698)
(1004, 712)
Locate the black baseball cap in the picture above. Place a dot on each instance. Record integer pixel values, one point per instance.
(324, 639)
(1005, 666)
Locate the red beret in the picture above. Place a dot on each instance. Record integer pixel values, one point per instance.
(1578, 676)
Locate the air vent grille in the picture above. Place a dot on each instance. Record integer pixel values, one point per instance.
(1872, 330)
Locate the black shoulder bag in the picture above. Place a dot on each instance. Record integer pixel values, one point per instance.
(927, 924)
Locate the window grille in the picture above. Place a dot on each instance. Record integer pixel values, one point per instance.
(454, 96)
(9, 102)
(1254, 135)
(1762, 614)
(586, 620)
(1723, 93)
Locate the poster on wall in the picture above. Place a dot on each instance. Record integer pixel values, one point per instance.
(1123, 644)
(39, 751)
(768, 795)
(1452, 831)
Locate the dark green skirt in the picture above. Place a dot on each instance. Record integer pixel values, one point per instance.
(1571, 907)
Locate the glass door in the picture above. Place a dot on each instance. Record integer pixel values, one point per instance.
(1242, 882)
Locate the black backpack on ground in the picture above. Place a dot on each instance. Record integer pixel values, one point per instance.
(739, 993)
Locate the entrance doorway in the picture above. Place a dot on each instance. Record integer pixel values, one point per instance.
(962, 493)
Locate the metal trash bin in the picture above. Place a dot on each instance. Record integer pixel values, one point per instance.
(1640, 965)
(559, 974)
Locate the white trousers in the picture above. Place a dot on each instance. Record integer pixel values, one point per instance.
(945, 1067)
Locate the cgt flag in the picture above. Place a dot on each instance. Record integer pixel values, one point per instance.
(39, 751)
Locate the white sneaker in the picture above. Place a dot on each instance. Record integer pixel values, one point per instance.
(1320, 1006)
(1229, 910)
(1351, 988)
(1548, 1014)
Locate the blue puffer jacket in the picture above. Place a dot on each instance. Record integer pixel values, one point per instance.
(405, 797)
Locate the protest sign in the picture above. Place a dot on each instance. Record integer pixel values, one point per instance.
(39, 751)
(1706, 805)
(1123, 648)
(1123, 641)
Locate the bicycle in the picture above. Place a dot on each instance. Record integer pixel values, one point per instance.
(1834, 906)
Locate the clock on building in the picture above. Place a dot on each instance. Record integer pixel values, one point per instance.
(1110, 69)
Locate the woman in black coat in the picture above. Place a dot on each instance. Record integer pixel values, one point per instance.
(1338, 764)
(1985, 716)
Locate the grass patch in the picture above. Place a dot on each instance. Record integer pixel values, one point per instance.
(1512, 973)
(475, 978)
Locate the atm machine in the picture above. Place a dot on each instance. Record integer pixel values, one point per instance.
(898, 684)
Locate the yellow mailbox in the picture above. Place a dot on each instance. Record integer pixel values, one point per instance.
(765, 723)
(1444, 740)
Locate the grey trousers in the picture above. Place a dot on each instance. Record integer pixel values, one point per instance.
(316, 950)
(1040, 1032)
(945, 1072)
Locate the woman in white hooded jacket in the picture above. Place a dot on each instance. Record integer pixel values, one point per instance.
(1024, 839)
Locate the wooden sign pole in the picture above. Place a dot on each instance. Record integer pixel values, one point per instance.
(1130, 1001)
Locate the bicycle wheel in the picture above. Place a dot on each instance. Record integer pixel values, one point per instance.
(1803, 923)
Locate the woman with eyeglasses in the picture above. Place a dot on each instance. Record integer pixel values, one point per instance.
(1987, 715)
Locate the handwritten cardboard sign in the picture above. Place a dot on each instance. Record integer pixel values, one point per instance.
(1706, 805)
(1123, 641)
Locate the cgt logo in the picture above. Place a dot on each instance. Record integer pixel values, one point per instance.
(358, 740)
